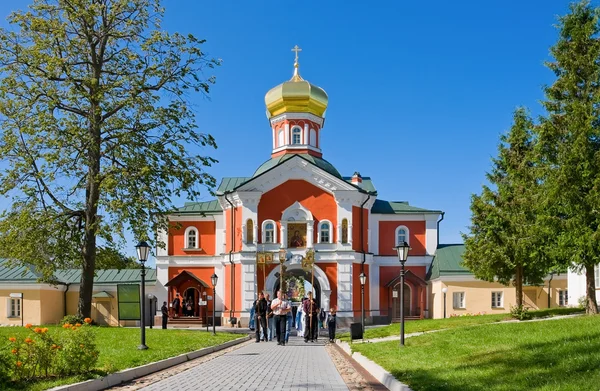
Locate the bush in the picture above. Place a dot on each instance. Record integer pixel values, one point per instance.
(520, 312)
(72, 319)
(67, 351)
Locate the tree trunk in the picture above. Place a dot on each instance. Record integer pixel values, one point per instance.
(591, 306)
(519, 285)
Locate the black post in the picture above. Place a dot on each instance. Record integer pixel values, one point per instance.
(362, 306)
(143, 314)
(214, 295)
(444, 305)
(402, 305)
(23, 308)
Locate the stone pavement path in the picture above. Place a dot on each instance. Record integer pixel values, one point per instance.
(261, 366)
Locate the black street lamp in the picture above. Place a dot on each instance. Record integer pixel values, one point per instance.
(444, 291)
(363, 281)
(143, 249)
(214, 278)
(402, 250)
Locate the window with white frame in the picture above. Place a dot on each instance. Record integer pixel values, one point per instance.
(597, 274)
(325, 232)
(269, 232)
(563, 298)
(402, 235)
(458, 299)
(497, 300)
(296, 135)
(191, 238)
(14, 307)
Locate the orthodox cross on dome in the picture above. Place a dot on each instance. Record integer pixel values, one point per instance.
(296, 76)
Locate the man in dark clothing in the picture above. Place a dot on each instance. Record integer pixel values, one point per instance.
(165, 314)
(260, 314)
(176, 305)
(310, 310)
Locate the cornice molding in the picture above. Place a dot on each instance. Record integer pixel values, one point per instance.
(289, 116)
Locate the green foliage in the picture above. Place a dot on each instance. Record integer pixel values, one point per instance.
(98, 132)
(569, 145)
(72, 319)
(504, 237)
(519, 312)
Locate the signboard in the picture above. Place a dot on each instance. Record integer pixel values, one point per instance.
(202, 302)
(395, 294)
(128, 298)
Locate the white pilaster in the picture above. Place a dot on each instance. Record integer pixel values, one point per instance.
(255, 233)
(350, 234)
(160, 290)
(374, 289)
(248, 284)
(305, 134)
(286, 134)
(163, 238)
(431, 243)
(220, 288)
(344, 299)
(310, 224)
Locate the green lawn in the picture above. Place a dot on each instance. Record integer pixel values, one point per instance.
(562, 354)
(118, 349)
(414, 326)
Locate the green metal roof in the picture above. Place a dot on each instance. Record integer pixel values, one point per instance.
(73, 276)
(228, 184)
(103, 295)
(397, 207)
(321, 163)
(207, 207)
(367, 183)
(448, 262)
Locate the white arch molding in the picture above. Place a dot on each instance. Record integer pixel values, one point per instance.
(295, 263)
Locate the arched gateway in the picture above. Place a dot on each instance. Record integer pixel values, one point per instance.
(294, 266)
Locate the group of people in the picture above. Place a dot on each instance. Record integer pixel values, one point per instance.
(274, 319)
(186, 306)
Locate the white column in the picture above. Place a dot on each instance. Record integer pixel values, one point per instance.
(248, 285)
(274, 137)
(350, 234)
(160, 290)
(339, 232)
(344, 299)
(374, 289)
(255, 233)
(244, 236)
(305, 135)
(309, 233)
(283, 234)
(286, 134)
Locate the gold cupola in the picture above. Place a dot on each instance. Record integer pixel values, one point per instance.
(296, 96)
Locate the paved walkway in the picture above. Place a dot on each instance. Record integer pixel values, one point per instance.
(296, 366)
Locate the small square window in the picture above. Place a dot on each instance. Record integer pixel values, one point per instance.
(458, 300)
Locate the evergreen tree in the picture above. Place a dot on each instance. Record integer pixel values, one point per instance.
(503, 240)
(98, 132)
(569, 145)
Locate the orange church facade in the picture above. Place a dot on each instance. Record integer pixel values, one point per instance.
(298, 201)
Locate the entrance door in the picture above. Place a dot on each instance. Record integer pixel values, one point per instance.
(396, 301)
(103, 312)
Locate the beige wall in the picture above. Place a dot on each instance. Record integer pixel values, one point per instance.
(31, 307)
(52, 303)
(99, 305)
(478, 297)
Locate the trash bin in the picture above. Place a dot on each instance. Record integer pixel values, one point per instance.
(356, 331)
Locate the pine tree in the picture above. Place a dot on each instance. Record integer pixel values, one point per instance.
(569, 145)
(503, 240)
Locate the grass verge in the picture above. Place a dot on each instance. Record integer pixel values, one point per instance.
(562, 354)
(415, 326)
(118, 350)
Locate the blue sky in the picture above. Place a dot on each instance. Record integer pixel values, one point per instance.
(419, 92)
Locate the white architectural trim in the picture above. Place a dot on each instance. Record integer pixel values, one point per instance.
(285, 147)
(264, 231)
(290, 116)
(319, 228)
(297, 212)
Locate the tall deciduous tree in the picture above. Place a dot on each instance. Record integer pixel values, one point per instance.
(569, 144)
(97, 129)
(504, 238)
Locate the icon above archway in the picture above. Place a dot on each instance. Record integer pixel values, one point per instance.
(297, 235)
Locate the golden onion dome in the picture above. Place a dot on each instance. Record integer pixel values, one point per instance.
(296, 96)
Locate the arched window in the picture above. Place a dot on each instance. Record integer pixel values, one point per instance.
(325, 232)
(402, 235)
(269, 231)
(313, 138)
(249, 231)
(191, 238)
(280, 138)
(296, 135)
(344, 231)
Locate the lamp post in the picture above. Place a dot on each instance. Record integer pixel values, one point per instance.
(143, 249)
(214, 278)
(282, 257)
(363, 280)
(402, 250)
(444, 291)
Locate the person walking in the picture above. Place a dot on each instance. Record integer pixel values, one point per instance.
(289, 320)
(260, 310)
(176, 305)
(300, 319)
(310, 325)
(331, 323)
(165, 314)
(280, 308)
(322, 316)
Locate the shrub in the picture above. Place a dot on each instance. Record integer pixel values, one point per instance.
(520, 312)
(72, 319)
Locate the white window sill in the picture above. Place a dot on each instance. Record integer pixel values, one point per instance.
(13, 317)
(192, 249)
(459, 308)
